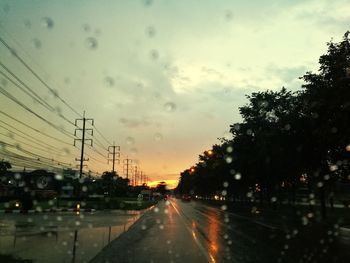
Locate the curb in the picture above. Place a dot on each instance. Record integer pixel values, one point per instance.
(13, 211)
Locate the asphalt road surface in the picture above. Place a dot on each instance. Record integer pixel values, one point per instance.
(176, 231)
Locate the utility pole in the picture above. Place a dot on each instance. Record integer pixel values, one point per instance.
(135, 176)
(115, 151)
(83, 130)
(127, 163)
(141, 178)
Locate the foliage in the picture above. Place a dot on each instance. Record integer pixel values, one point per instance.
(284, 135)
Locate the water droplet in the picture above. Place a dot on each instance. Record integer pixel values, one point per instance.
(158, 137)
(109, 81)
(236, 127)
(223, 192)
(143, 227)
(150, 31)
(225, 184)
(47, 22)
(147, 2)
(287, 127)
(59, 218)
(27, 24)
(169, 106)
(238, 176)
(156, 209)
(228, 159)
(224, 207)
(273, 199)
(333, 168)
(154, 54)
(161, 227)
(91, 43)
(319, 184)
(229, 149)
(228, 15)
(36, 43)
(84, 188)
(86, 28)
(133, 151)
(304, 220)
(130, 140)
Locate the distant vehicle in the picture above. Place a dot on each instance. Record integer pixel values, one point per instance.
(186, 198)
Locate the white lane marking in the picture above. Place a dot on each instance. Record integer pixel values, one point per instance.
(209, 257)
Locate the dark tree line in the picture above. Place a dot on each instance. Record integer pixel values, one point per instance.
(286, 139)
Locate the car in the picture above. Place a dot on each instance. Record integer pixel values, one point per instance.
(186, 198)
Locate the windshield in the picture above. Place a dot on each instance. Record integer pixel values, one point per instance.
(173, 131)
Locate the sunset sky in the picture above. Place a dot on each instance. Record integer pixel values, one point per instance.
(162, 79)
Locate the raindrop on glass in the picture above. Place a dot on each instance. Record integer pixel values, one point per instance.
(169, 106)
(36, 43)
(228, 15)
(154, 54)
(147, 2)
(150, 31)
(133, 151)
(27, 24)
(228, 159)
(224, 207)
(109, 81)
(91, 43)
(158, 137)
(86, 28)
(238, 176)
(236, 127)
(130, 140)
(47, 22)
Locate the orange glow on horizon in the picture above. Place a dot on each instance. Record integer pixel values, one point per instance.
(172, 183)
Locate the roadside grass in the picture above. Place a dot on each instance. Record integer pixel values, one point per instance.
(103, 203)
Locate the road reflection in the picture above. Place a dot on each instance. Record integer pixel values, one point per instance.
(213, 234)
(71, 239)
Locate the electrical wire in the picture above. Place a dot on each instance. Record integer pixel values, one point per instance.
(9, 96)
(53, 92)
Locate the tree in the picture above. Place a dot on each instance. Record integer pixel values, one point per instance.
(327, 111)
(4, 166)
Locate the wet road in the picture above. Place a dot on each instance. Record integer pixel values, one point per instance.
(177, 231)
(61, 237)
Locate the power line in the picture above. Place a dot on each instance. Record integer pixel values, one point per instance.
(9, 96)
(30, 138)
(53, 92)
(34, 96)
(34, 129)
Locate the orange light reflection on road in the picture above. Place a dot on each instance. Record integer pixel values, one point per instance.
(213, 234)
